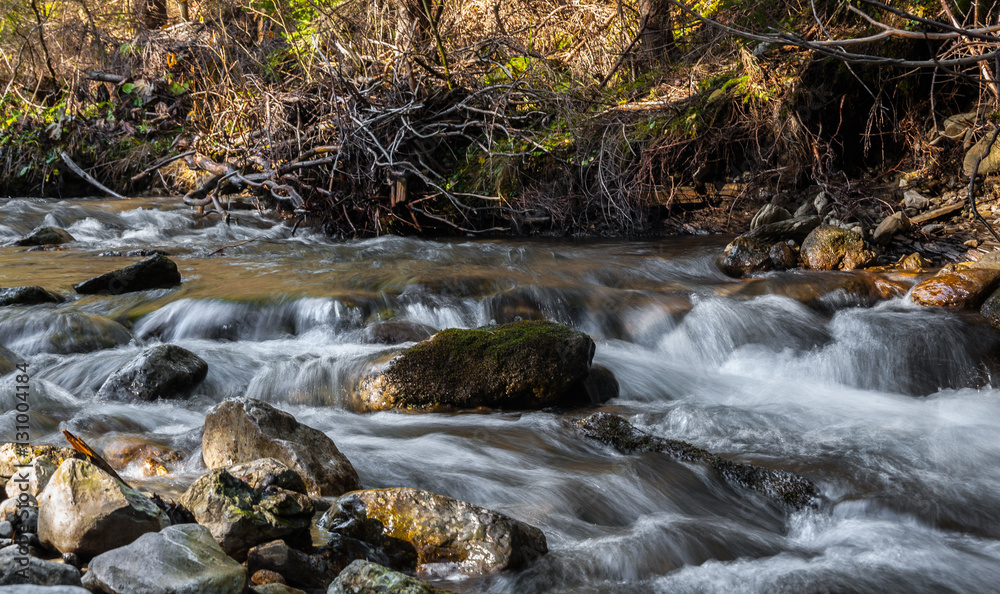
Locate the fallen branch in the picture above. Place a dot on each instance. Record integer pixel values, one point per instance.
(86, 176)
(82, 447)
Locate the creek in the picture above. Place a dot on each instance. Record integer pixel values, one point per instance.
(891, 409)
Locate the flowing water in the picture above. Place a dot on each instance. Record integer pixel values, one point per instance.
(889, 408)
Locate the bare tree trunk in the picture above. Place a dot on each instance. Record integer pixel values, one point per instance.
(656, 26)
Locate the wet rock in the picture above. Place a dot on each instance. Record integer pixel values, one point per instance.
(164, 371)
(769, 214)
(268, 472)
(266, 576)
(960, 288)
(155, 272)
(751, 252)
(988, 260)
(991, 309)
(181, 559)
(35, 589)
(44, 236)
(9, 360)
(275, 589)
(364, 577)
(242, 430)
(601, 385)
(354, 536)
(785, 487)
(530, 364)
(824, 291)
(152, 459)
(831, 248)
(297, 568)
(84, 511)
(395, 332)
(240, 516)
(472, 539)
(914, 261)
(782, 256)
(889, 227)
(33, 478)
(52, 331)
(14, 454)
(37, 571)
(913, 199)
(27, 296)
(140, 253)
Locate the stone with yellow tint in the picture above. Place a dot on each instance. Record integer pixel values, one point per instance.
(967, 287)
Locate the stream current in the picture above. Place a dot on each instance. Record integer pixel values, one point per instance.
(891, 409)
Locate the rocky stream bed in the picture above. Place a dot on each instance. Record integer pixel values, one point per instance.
(801, 410)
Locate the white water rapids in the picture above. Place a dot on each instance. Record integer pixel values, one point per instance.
(891, 409)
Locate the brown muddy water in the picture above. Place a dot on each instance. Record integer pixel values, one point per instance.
(891, 409)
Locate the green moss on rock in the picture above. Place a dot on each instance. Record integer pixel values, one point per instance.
(527, 364)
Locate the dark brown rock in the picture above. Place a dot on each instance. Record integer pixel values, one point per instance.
(45, 236)
(27, 296)
(163, 371)
(155, 272)
(395, 332)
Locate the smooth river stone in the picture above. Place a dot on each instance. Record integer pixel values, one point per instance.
(960, 288)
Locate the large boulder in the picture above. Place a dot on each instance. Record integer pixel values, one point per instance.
(785, 487)
(530, 364)
(751, 252)
(182, 559)
(27, 296)
(16, 568)
(84, 511)
(473, 539)
(45, 236)
(155, 272)
(241, 516)
(242, 430)
(164, 371)
(365, 577)
(960, 288)
(832, 248)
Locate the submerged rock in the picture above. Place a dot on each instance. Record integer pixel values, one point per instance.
(831, 248)
(182, 559)
(960, 288)
(240, 516)
(84, 511)
(153, 459)
(475, 540)
(163, 371)
(823, 291)
(60, 332)
(155, 272)
(785, 487)
(364, 577)
(530, 364)
(27, 296)
(9, 360)
(243, 430)
(44, 236)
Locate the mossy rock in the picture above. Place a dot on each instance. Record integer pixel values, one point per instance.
(831, 248)
(752, 251)
(241, 516)
(784, 487)
(475, 540)
(364, 577)
(529, 364)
